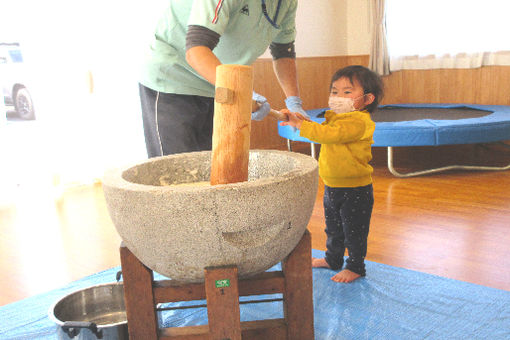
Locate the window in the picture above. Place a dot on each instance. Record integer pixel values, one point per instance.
(447, 33)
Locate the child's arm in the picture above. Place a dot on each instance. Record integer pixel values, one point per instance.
(293, 118)
(346, 131)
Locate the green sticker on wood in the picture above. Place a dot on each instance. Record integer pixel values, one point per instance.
(222, 283)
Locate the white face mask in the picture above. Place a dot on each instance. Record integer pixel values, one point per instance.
(342, 104)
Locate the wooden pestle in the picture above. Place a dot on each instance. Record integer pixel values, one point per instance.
(232, 124)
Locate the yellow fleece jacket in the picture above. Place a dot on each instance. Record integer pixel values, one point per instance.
(346, 149)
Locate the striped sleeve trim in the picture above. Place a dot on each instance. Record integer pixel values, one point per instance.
(217, 11)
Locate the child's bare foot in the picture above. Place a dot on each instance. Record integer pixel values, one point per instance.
(345, 276)
(319, 263)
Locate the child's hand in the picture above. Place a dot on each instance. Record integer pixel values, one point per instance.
(302, 117)
(293, 118)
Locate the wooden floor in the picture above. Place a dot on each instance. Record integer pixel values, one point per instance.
(454, 224)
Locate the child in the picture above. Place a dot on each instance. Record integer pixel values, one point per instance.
(345, 138)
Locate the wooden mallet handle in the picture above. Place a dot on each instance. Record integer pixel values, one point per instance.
(273, 113)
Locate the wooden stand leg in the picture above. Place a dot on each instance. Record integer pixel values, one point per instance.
(298, 294)
(222, 291)
(138, 297)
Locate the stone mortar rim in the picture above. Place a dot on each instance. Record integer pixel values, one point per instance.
(114, 177)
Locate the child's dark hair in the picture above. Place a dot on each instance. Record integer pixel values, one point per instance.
(369, 81)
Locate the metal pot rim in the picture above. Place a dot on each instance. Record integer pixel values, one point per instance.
(51, 310)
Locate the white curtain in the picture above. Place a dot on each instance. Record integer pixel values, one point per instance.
(447, 33)
(379, 57)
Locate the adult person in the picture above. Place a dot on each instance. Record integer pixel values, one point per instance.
(191, 39)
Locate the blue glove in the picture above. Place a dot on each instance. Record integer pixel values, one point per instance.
(264, 108)
(294, 104)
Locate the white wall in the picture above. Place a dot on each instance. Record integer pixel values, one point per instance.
(359, 29)
(332, 28)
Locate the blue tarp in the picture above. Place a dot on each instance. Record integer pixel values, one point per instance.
(389, 303)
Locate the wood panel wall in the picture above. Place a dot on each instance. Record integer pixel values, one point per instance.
(486, 85)
(489, 85)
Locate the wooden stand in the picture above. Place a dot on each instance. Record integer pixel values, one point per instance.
(222, 289)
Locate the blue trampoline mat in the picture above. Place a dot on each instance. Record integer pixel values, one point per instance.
(389, 303)
(492, 127)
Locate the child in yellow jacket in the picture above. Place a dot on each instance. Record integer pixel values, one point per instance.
(346, 138)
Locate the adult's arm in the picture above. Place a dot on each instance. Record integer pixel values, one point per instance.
(200, 41)
(203, 60)
(286, 73)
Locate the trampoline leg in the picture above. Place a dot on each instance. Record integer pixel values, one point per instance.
(312, 148)
(430, 171)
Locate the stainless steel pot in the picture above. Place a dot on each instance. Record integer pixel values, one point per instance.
(93, 313)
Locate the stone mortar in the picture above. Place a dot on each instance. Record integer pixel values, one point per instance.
(178, 231)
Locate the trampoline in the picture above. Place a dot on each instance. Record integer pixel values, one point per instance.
(428, 125)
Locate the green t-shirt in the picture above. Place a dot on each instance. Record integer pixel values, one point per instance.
(244, 31)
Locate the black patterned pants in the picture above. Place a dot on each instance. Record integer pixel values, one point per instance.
(348, 212)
